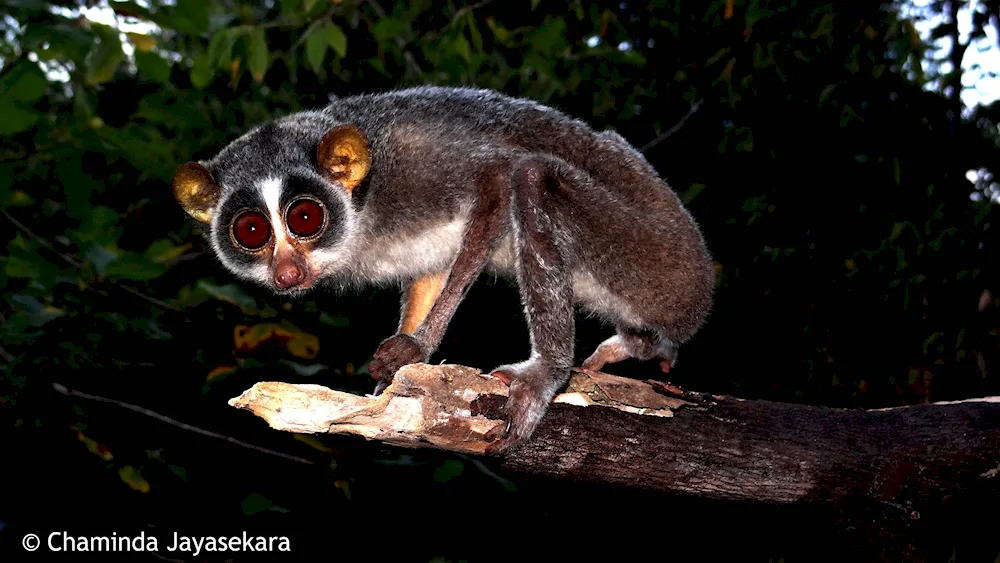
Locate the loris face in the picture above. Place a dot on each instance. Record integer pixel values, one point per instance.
(276, 214)
(281, 232)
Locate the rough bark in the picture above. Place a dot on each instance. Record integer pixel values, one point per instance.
(893, 463)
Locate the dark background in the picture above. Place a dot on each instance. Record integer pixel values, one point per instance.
(827, 164)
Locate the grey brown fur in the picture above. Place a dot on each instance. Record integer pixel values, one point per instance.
(466, 180)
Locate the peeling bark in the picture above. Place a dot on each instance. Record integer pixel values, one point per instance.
(893, 462)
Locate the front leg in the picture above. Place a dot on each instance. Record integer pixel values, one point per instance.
(418, 300)
(402, 349)
(485, 229)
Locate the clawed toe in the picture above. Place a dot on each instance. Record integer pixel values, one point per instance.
(503, 375)
(381, 386)
(394, 353)
(501, 447)
(532, 385)
(497, 432)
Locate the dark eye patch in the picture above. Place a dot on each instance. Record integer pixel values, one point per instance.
(297, 187)
(238, 201)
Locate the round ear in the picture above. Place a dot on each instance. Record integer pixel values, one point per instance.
(196, 190)
(345, 156)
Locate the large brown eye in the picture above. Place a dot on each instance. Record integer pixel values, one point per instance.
(251, 230)
(305, 218)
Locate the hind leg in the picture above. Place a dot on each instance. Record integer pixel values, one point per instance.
(544, 282)
(631, 343)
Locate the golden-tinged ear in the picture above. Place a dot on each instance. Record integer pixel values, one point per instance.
(196, 190)
(345, 156)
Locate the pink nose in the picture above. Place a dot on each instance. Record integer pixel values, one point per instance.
(288, 274)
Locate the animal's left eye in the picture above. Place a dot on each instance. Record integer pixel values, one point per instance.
(251, 230)
(305, 218)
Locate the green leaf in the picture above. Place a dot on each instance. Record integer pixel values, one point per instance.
(14, 119)
(230, 293)
(477, 37)
(339, 320)
(150, 328)
(32, 267)
(19, 267)
(143, 43)
(336, 39)
(23, 83)
(100, 226)
(163, 250)
(179, 471)
(377, 64)
(116, 321)
(16, 198)
(38, 313)
(289, 7)
(134, 266)
(897, 229)
(191, 16)
(220, 48)
(316, 45)
(104, 58)
(448, 470)
(100, 257)
(461, 46)
(258, 54)
(500, 33)
(188, 16)
(77, 187)
(387, 28)
(153, 66)
(321, 35)
(825, 26)
(826, 92)
(754, 15)
(255, 503)
(220, 373)
(550, 37)
(28, 5)
(202, 71)
(132, 9)
(19, 88)
(307, 5)
(134, 479)
(692, 192)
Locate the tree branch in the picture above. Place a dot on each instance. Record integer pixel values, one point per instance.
(658, 436)
(62, 389)
(72, 261)
(677, 126)
(655, 436)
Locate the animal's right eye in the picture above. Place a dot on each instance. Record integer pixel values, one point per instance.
(251, 230)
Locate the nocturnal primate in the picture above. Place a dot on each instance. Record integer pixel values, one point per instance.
(429, 187)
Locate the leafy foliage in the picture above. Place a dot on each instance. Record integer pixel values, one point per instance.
(853, 266)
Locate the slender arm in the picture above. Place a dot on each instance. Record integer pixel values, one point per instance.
(418, 300)
(486, 228)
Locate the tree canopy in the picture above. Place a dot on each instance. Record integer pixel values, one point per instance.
(845, 193)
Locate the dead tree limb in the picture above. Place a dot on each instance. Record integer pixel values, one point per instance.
(655, 436)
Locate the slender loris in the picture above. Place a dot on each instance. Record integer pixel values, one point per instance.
(429, 187)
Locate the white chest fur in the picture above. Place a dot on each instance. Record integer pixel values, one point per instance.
(431, 250)
(434, 249)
